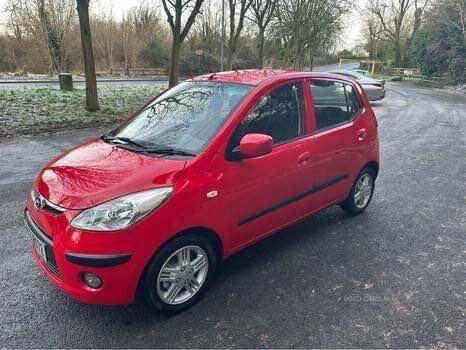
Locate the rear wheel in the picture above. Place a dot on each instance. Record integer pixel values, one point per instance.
(361, 193)
(180, 273)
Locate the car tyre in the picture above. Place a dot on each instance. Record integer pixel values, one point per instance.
(164, 276)
(361, 193)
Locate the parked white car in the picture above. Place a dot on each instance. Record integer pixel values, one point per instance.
(374, 88)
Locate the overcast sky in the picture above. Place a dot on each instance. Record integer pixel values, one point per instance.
(117, 8)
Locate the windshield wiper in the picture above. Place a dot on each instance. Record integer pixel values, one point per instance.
(170, 151)
(146, 149)
(124, 140)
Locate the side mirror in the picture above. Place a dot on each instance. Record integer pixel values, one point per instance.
(255, 145)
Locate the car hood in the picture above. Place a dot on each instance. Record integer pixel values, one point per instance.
(96, 172)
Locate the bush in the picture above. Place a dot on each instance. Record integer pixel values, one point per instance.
(192, 64)
(155, 54)
(456, 70)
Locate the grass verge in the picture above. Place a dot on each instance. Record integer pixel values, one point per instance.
(34, 110)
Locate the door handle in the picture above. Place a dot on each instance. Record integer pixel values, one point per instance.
(304, 157)
(362, 134)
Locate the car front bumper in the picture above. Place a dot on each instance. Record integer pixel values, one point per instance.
(119, 272)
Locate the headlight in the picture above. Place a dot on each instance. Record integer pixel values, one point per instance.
(121, 212)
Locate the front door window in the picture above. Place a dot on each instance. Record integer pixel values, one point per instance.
(279, 114)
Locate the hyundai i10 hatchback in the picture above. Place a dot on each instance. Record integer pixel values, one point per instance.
(200, 172)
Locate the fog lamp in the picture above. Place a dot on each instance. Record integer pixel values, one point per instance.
(92, 280)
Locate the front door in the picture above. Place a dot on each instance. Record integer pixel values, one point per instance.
(261, 190)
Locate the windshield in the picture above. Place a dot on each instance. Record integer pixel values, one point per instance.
(184, 118)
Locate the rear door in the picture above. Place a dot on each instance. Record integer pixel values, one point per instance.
(334, 143)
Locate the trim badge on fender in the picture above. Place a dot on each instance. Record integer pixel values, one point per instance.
(212, 194)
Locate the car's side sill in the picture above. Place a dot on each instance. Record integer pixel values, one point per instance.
(293, 199)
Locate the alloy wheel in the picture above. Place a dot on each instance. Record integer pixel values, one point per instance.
(363, 191)
(182, 275)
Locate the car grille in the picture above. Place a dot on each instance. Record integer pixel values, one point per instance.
(41, 203)
(46, 240)
(52, 209)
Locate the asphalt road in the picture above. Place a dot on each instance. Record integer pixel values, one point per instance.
(392, 277)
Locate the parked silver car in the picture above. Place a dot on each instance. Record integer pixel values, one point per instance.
(374, 88)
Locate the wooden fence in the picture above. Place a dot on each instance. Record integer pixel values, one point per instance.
(416, 74)
(143, 71)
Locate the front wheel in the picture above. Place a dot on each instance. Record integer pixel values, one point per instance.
(361, 193)
(180, 273)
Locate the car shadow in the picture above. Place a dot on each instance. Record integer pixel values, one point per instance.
(312, 228)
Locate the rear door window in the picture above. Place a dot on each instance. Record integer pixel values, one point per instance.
(352, 100)
(335, 103)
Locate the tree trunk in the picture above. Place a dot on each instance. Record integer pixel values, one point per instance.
(125, 50)
(260, 47)
(397, 44)
(92, 101)
(300, 56)
(229, 65)
(52, 42)
(174, 62)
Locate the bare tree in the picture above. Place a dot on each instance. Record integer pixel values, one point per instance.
(419, 8)
(324, 25)
(207, 31)
(92, 101)
(55, 20)
(126, 33)
(290, 28)
(140, 26)
(391, 15)
(304, 26)
(263, 11)
(371, 33)
(105, 39)
(175, 9)
(49, 20)
(236, 26)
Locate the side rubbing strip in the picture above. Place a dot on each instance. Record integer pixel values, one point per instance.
(312, 190)
(97, 260)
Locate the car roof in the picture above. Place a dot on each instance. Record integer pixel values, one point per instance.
(359, 76)
(349, 72)
(258, 76)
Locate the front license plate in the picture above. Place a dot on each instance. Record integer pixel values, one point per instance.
(40, 247)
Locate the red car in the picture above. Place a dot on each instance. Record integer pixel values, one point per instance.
(199, 173)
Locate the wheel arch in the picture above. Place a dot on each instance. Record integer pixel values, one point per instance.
(210, 234)
(374, 166)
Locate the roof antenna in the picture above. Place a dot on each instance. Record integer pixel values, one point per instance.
(212, 76)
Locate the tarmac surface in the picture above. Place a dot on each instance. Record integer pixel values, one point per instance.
(392, 277)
